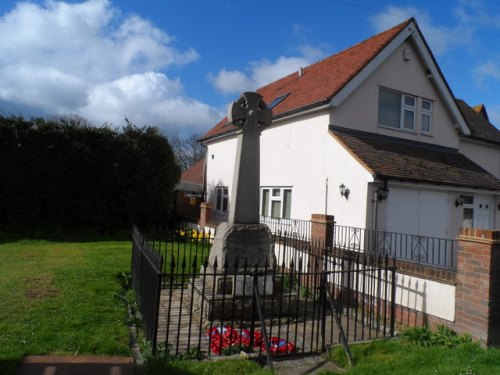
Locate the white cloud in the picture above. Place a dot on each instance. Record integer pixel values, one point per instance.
(87, 58)
(131, 97)
(260, 73)
(440, 38)
(230, 81)
(488, 69)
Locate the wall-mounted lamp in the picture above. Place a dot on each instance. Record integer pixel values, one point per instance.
(382, 193)
(459, 201)
(344, 191)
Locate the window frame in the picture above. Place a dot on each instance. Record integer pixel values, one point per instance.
(403, 109)
(268, 199)
(468, 204)
(426, 112)
(222, 198)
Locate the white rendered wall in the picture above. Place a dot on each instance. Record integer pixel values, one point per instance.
(360, 110)
(220, 165)
(301, 154)
(487, 156)
(428, 296)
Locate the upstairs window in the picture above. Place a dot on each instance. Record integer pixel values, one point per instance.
(396, 110)
(426, 125)
(276, 202)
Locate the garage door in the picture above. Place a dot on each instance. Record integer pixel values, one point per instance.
(418, 212)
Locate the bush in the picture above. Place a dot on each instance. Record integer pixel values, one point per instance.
(443, 336)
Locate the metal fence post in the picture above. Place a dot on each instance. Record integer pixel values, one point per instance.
(393, 296)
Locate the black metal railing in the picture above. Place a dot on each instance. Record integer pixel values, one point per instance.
(308, 297)
(146, 282)
(292, 228)
(429, 251)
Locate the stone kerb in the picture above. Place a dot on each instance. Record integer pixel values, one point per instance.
(478, 285)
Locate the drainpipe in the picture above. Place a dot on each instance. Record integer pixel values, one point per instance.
(326, 196)
(375, 210)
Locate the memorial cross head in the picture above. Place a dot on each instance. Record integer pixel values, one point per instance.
(250, 112)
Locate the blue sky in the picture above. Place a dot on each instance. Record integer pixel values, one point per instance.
(177, 64)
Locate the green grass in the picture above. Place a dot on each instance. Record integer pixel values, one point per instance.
(186, 367)
(401, 357)
(60, 298)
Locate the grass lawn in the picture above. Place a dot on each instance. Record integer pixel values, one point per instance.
(60, 298)
(401, 358)
(187, 367)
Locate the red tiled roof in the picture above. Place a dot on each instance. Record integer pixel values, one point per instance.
(396, 158)
(194, 174)
(479, 125)
(319, 82)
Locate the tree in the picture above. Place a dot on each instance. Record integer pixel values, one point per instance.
(187, 151)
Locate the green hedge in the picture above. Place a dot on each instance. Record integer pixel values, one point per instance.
(67, 175)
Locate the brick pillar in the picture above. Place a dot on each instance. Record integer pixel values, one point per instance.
(205, 213)
(322, 229)
(477, 297)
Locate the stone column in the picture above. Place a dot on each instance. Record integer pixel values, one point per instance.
(477, 305)
(205, 214)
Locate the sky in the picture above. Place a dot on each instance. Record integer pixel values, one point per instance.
(177, 64)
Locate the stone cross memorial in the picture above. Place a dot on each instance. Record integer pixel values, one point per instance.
(251, 115)
(243, 239)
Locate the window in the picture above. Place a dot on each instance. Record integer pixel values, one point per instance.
(426, 125)
(468, 218)
(276, 202)
(277, 101)
(222, 197)
(396, 110)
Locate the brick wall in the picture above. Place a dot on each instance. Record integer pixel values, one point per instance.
(322, 227)
(478, 285)
(205, 214)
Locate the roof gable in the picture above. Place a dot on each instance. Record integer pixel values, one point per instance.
(478, 122)
(333, 79)
(319, 82)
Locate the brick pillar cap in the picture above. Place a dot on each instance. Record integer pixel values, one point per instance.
(322, 218)
(481, 234)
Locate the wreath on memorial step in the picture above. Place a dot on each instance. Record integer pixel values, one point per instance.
(226, 340)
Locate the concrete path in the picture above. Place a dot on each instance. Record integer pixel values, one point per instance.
(75, 365)
(305, 366)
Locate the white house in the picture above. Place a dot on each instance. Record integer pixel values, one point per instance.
(380, 120)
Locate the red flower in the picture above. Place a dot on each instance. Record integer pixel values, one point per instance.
(223, 338)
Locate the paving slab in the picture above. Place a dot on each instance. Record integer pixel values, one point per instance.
(75, 365)
(305, 366)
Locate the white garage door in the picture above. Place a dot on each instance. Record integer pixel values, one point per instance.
(418, 212)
